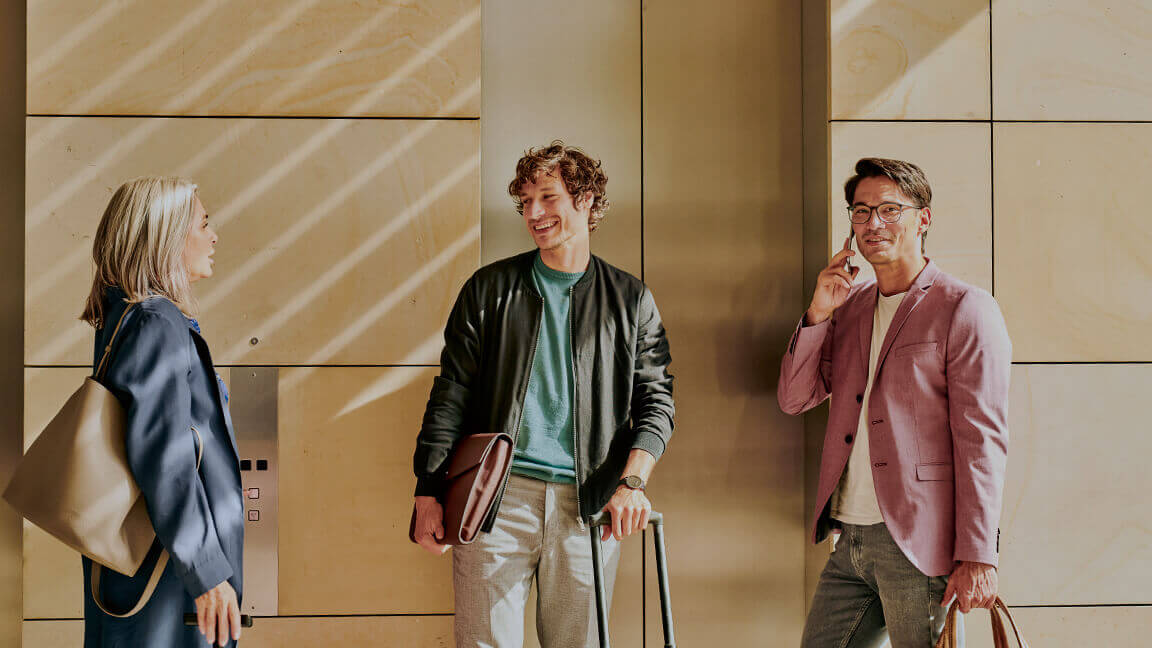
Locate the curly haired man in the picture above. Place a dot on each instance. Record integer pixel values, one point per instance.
(568, 355)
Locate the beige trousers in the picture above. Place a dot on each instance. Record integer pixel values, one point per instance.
(536, 536)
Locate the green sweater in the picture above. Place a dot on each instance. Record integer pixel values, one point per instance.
(544, 449)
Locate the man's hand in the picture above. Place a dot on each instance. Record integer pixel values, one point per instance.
(832, 286)
(629, 509)
(974, 585)
(430, 525)
(218, 613)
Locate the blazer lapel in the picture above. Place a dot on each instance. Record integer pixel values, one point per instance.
(865, 316)
(911, 300)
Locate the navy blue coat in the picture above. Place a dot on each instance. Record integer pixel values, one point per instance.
(161, 372)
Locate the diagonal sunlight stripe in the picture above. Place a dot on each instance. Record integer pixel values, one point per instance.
(299, 77)
(847, 14)
(40, 212)
(302, 226)
(37, 214)
(74, 264)
(63, 45)
(354, 257)
(73, 336)
(150, 54)
(414, 281)
(66, 267)
(393, 380)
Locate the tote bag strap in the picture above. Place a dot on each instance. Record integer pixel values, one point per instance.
(999, 632)
(1000, 608)
(157, 570)
(108, 347)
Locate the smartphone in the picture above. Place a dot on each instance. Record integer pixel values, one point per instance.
(848, 246)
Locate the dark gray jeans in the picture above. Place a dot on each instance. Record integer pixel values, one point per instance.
(869, 592)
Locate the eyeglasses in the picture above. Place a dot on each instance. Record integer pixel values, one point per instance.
(888, 212)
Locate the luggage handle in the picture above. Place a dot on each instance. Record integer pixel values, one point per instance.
(604, 518)
(656, 521)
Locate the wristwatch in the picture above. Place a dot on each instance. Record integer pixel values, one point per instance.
(631, 481)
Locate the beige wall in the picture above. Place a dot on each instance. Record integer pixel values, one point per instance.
(723, 256)
(12, 78)
(705, 190)
(377, 220)
(1039, 181)
(348, 209)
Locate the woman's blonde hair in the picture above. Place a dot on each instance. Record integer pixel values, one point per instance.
(139, 245)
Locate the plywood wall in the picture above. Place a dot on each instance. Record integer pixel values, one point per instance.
(336, 146)
(1029, 118)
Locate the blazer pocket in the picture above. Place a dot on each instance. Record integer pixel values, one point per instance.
(912, 349)
(934, 472)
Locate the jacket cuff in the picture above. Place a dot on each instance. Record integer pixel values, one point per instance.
(206, 574)
(973, 555)
(428, 487)
(649, 442)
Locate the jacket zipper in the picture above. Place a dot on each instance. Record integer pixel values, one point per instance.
(523, 397)
(575, 399)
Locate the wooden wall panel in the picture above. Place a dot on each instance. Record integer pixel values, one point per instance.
(723, 256)
(1074, 461)
(395, 58)
(1072, 271)
(1114, 627)
(892, 59)
(956, 158)
(341, 241)
(591, 100)
(346, 442)
(1069, 60)
(53, 583)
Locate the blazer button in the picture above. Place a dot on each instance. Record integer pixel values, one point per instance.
(847, 438)
(859, 398)
(877, 421)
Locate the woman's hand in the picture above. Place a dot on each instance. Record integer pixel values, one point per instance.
(218, 613)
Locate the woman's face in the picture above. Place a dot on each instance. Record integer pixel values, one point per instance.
(201, 244)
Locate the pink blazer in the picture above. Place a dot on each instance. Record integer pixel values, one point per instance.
(938, 434)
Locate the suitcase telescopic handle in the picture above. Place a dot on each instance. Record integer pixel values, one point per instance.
(656, 521)
(604, 518)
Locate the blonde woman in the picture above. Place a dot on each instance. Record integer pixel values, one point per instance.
(152, 244)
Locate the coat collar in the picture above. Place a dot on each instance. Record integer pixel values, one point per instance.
(912, 299)
(527, 259)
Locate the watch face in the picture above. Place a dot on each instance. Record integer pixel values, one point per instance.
(632, 481)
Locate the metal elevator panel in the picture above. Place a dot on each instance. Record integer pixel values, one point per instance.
(255, 417)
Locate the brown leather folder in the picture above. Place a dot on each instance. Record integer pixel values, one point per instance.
(476, 470)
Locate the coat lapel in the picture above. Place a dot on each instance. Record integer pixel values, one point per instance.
(911, 300)
(206, 356)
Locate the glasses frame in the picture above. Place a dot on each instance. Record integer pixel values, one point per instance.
(876, 210)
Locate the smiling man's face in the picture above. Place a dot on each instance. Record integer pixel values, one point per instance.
(889, 243)
(553, 216)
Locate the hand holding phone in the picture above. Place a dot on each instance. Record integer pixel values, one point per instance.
(833, 285)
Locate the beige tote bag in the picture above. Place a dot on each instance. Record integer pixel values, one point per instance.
(74, 482)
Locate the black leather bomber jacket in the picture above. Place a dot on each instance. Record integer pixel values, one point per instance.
(620, 357)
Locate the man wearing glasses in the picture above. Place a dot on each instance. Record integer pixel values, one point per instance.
(917, 366)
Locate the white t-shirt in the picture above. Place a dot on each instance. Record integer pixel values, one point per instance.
(854, 501)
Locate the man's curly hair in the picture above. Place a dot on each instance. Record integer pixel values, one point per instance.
(579, 172)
